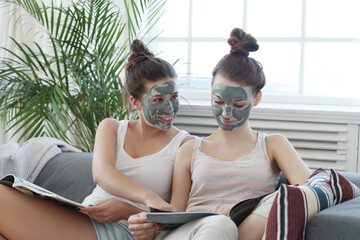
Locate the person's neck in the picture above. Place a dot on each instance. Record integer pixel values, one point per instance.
(241, 134)
(146, 131)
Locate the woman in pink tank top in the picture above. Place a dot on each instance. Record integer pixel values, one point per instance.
(235, 162)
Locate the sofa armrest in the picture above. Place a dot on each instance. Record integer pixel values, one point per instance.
(352, 176)
(68, 174)
(337, 222)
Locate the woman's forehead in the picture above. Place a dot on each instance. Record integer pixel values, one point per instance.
(225, 81)
(149, 84)
(164, 88)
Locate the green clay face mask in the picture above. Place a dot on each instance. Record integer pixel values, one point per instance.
(231, 106)
(160, 105)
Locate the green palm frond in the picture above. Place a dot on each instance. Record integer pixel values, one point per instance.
(75, 83)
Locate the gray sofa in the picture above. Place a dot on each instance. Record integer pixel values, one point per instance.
(69, 174)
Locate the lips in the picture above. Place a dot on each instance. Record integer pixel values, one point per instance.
(227, 122)
(166, 119)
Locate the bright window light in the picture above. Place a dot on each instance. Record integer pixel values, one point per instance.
(310, 49)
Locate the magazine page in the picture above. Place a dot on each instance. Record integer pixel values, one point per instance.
(171, 220)
(29, 188)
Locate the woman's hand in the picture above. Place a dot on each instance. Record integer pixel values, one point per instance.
(110, 211)
(140, 228)
(154, 201)
(221, 209)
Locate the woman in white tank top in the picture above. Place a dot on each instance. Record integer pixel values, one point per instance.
(232, 164)
(132, 165)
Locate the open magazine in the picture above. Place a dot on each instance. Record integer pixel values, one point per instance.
(172, 220)
(37, 191)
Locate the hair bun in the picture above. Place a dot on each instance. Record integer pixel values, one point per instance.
(139, 53)
(242, 43)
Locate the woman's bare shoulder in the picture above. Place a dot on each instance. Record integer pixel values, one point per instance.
(275, 143)
(188, 138)
(187, 145)
(184, 153)
(108, 125)
(109, 122)
(275, 139)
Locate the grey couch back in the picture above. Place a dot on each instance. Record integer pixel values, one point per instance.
(70, 175)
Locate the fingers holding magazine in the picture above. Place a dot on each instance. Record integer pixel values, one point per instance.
(140, 227)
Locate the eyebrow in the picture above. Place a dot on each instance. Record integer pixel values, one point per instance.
(217, 95)
(158, 95)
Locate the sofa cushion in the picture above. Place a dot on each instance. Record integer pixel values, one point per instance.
(343, 188)
(295, 205)
(354, 177)
(68, 174)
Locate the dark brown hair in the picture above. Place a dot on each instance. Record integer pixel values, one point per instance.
(237, 66)
(144, 66)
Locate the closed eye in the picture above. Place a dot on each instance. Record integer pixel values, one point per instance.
(218, 100)
(239, 104)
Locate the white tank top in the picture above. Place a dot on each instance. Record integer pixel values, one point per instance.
(152, 171)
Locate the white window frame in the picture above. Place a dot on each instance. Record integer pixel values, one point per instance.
(299, 98)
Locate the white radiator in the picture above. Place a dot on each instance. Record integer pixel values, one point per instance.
(321, 139)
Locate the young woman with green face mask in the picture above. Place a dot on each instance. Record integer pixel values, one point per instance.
(132, 165)
(235, 162)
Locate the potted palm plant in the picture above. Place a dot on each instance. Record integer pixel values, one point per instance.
(66, 90)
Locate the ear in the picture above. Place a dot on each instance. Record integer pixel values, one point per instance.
(257, 98)
(135, 103)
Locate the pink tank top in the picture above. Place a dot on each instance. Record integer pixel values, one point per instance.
(217, 182)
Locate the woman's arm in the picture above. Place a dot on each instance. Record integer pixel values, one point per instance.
(182, 177)
(111, 179)
(286, 159)
(138, 224)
